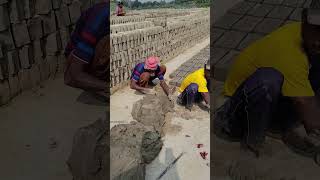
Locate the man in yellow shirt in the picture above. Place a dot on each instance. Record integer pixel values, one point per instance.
(194, 88)
(272, 85)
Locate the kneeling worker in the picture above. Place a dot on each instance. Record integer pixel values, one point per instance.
(147, 74)
(194, 88)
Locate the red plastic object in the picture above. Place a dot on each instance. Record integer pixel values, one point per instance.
(203, 155)
(199, 145)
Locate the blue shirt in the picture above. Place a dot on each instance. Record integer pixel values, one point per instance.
(91, 27)
(139, 69)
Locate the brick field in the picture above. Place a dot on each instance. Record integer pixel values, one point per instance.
(164, 32)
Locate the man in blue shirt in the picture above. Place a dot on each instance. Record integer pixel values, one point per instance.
(148, 74)
(87, 52)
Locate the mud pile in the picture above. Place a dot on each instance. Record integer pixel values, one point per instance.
(134, 145)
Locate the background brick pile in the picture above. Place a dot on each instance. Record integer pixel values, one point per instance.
(171, 32)
(33, 34)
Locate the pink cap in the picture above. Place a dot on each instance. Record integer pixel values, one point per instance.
(151, 63)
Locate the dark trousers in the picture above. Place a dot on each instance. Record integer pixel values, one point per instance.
(257, 106)
(190, 95)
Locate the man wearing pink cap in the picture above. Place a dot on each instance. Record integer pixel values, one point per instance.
(148, 74)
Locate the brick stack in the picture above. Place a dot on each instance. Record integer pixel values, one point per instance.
(33, 35)
(166, 41)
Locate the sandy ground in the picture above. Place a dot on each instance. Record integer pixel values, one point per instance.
(37, 129)
(277, 163)
(196, 125)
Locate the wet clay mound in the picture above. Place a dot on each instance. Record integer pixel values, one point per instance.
(132, 146)
(139, 143)
(151, 110)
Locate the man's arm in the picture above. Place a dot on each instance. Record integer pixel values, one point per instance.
(134, 85)
(309, 110)
(206, 97)
(165, 87)
(76, 76)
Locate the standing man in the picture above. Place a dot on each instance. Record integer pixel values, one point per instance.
(120, 9)
(147, 74)
(195, 88)
(87, 52)
(273, 85)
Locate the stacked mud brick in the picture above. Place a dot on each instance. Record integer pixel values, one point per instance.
(181, 30)
(196, 62)
(33, 34)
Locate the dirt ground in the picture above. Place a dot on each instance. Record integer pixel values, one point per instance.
(36, 131)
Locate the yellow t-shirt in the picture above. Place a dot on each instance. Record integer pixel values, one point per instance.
(280, 50)
(196, 77)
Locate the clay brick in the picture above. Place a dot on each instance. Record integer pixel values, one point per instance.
(6, 40)
(218, 53)
(256, 1)
(61, 64)
(222, 67)
(21, 34)
(63, 18)
(250, 38)
(44, 70)
(56, 4)
(37, 52)
(15, 17)
(247, 23)
(14, 85)
(24, 57)
(13, 62)
(296, 15)
(268, 25)
(4, 18)
(23, 8)
(3, 2)
(1, 52)
(216, 34)
(2, 74)
(67, 1)
(307, 3)
(280, 12)
(278, 2)
(35, 77)
(85, 4)
(53, 65)
(43, 7)
(75, 11)
(4, 92)
(260, 10)
(227, 21)
(35, 28)
(242, 7)
(64, 35)
(49, 23)
(25, 79)
(51, 44)
(315, 4)
(293, 3)
(230, 39)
